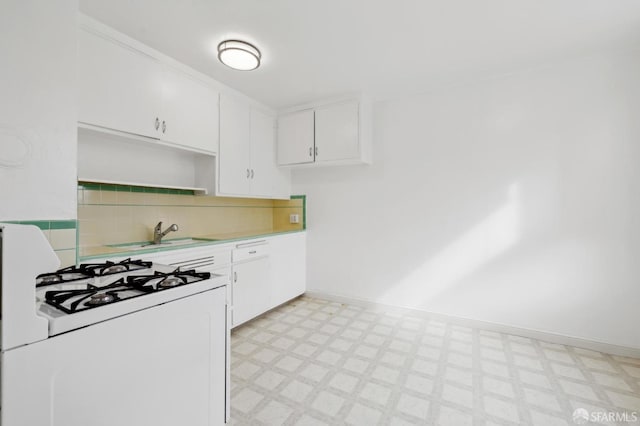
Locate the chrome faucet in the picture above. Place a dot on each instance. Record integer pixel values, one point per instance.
(158, 233)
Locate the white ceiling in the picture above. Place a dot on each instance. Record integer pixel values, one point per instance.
(325, 48)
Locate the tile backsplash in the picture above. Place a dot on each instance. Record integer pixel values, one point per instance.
(117, 214)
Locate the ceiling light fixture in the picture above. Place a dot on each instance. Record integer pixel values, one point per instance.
(239, 55)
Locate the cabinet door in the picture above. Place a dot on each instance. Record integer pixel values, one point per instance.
(277, 182)
(119, 88)
(295, 138)
(288, 267)
(336, 129)
(281, 183)
(267, 179)
(189, 112)
(235, 147)
(250, 289)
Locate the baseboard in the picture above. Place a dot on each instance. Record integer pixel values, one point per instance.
(545, 336)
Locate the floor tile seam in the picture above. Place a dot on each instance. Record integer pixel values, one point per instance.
(600, 403)
(251, 413)
(373, 363)
(529, 369)
(477, 384)
(306, 403)
(472, 412)
(573, 364)
(563, 398)
(631, 381)
(600, 393)
(301, 407)
(438, 384)
(590, 383)
(518, 388)
(372, 405)
(397, 389)
(622, 391)
(415, 343)
(332, 369)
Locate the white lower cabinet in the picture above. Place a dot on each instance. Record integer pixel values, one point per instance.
(276, 274)
(250, 289)
(264, 273)
(288, 267)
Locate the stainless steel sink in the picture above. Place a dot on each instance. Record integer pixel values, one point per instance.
(167, 244)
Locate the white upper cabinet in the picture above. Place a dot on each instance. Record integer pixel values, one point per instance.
(263, 164)
(131, 92)
(247, 164)
(336, 131)
(234, 168)
(119, 88)
(189, 111)
(296, 138)
(126, 90)
(328, 134)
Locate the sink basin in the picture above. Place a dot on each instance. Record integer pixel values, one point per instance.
(164, 244)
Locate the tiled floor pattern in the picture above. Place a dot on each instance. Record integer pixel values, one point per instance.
(316, 362)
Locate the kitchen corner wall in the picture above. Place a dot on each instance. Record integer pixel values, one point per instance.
(514, 201)
(38, 112)
(62, 236)
(116, 214)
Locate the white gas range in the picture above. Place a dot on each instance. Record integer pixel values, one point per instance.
(115, 343)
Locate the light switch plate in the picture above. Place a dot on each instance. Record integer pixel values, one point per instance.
(294, 218)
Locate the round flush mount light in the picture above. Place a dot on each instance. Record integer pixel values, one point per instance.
(239, 55)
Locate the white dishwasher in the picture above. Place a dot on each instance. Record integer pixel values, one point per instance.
(251, 275)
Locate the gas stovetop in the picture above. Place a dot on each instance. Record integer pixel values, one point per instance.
(78, 296)
(88, 270)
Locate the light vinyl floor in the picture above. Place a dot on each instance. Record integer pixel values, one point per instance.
(317, 362)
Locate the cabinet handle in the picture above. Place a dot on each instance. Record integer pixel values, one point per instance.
(316, 151)
(252, 243)
(164, 126)
(310, 152)
(157, 123)
(248, 173)
(251, 173)
(235, 277)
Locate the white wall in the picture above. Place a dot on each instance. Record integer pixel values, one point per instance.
(38, 109)
(515, 201)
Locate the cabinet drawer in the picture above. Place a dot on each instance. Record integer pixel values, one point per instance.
(250, 250)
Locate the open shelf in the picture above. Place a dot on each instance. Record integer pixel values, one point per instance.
(197, 191)
(111, 158)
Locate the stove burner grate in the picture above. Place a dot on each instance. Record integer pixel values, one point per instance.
(91, 296)
(108, 268)
(64, 275)
(162, 281)
(99, 299)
